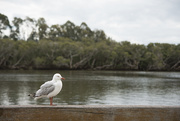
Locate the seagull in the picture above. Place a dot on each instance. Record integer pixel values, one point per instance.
(49, 89)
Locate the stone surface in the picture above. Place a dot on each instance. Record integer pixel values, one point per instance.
(89, 113)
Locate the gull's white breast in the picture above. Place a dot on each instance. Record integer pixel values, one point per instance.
(58, 87)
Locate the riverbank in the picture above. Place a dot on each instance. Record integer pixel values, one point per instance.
(65, 53)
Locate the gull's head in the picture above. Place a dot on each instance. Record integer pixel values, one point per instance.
(58, 76)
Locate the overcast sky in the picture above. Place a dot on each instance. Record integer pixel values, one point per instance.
(138, 21)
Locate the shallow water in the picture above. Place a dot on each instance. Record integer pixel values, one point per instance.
(93, 87)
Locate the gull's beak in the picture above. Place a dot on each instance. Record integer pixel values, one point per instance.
(63, 78)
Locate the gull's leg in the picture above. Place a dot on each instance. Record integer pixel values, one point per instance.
(51, 100)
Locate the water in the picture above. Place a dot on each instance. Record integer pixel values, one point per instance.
(93, 88)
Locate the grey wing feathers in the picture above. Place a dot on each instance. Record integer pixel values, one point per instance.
(46, 84)
(45, 89)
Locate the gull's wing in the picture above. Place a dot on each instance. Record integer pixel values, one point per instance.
(45, 89)
(46, 84)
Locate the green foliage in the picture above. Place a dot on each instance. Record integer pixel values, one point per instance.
(69, 46)
(42, 27)
(4, 24)
(69, 54)
(61, 62)
(39, 62)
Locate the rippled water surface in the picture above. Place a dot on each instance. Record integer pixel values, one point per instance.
(93, 87)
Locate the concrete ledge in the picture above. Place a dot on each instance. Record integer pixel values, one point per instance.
(89, 113)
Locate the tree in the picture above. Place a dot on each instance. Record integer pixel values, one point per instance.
(69, 30)
(85, 31)
(15, 31)
(71, 50)
(29, 29)
(99, 35)
(23, 54)
(153, 57)
(174, 59)
(55, 32)
(42, 28)
(61, 62)
(4, 24)
(6, 52)
(48, 51)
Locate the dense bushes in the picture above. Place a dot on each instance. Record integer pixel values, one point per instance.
(68, 54)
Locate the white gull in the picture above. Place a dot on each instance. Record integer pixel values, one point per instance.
(50, 88)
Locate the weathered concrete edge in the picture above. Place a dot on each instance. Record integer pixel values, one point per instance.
(89, 106)
(89, 113)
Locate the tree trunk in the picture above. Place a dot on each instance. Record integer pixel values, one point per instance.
(174, 66)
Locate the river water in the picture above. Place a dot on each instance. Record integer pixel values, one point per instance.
(93, 87)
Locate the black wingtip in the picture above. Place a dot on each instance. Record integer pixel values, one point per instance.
(32, 95)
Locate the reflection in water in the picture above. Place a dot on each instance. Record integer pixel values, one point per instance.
(93, 87)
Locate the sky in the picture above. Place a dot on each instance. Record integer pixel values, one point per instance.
(137, 21)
